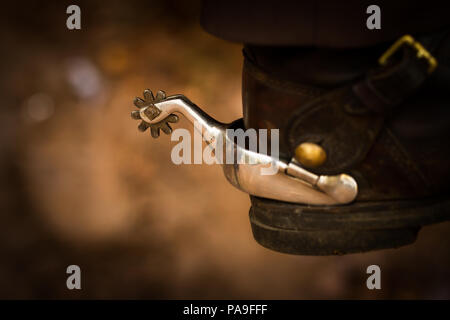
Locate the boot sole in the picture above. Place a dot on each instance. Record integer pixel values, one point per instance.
(335, 230)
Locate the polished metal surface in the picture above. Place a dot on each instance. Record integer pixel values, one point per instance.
(289, 181)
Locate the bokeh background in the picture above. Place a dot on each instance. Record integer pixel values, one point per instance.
(79, 184)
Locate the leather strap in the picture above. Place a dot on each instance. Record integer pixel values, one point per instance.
(346, 121)
(387, 87)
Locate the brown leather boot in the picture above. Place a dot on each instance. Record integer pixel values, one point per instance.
(380, 114)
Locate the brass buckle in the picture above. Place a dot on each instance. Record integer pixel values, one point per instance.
(420, 50)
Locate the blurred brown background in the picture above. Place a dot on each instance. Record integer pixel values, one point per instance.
(81, 185)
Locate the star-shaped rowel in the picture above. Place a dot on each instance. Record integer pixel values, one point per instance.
(151, 111)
